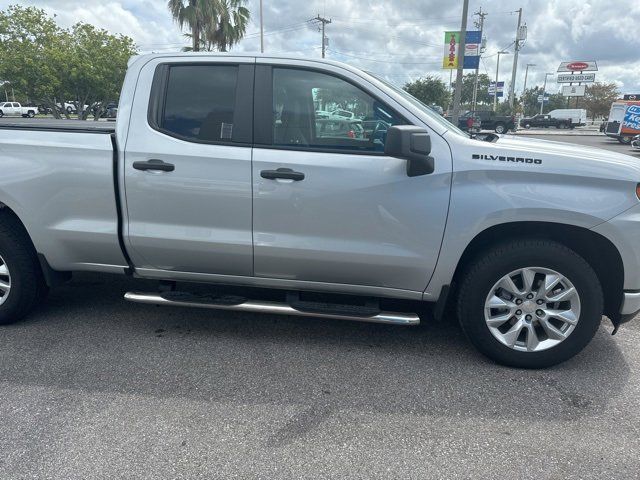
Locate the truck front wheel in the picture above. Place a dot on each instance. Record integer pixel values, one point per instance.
(530, 303)
(21, 281)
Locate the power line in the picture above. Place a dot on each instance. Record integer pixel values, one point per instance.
(383, 61)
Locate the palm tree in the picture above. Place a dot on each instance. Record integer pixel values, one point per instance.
(230, 25)
(195, 14)
(214, 24)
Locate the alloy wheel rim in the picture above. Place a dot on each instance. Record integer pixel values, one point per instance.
(5, 281)
(532, 309)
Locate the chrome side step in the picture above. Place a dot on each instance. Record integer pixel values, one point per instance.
(261, 306)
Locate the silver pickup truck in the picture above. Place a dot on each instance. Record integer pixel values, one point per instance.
(218, 172)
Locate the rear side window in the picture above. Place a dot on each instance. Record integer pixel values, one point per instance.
(199, 102)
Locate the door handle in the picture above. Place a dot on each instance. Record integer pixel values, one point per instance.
(158, 165)
(283, 173)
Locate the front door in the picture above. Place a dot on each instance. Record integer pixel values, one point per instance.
(188, 168)
(329, 206)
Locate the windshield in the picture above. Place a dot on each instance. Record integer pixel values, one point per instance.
(437, 118)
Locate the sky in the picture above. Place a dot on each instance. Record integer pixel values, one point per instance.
(402, 40)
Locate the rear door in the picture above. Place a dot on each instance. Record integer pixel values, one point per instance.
(333, 208)
(188, 167)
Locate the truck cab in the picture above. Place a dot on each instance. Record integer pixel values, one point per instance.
(14, 109)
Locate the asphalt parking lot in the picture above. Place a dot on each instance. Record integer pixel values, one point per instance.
(92, 387)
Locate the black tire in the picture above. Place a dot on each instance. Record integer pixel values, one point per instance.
(626, 140)
(486, 270)
(27, 282)
(31, 114)
(500, 128)
(1, 114)
(527, 126)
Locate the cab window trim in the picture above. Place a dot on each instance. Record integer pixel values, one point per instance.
(264, 119)
(243, 104)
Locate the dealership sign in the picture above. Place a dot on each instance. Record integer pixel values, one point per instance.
(577, 78)
(632, 96)
(574, 90)
(566, 67)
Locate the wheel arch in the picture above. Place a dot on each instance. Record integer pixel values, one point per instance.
(596, 249)
(51, 277)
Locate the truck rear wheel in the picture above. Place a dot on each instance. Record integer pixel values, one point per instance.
(530, 303)
(22, 284)
(500, 128)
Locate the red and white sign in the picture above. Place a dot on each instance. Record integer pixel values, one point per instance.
(567, 67)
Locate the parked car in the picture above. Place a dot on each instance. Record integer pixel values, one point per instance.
(545, 121)
(14, 109)
(110, 109)
(577, 116)
(213, 187)
(342, 114)
(489, 120)
(603, 126)
(467, 122)
(339, 128)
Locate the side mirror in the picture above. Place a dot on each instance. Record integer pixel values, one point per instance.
(412, 144)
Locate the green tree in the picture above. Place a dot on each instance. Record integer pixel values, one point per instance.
(31, 53)
(430, 90)
(50, 65)
(599, 97)
(212, 24)
(530, 101)
(468, 82)
(96, 67)
(230, 25)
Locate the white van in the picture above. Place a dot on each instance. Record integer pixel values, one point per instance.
(578, 116)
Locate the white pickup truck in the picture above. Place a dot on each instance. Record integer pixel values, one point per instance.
(14, 109)
(218, 172)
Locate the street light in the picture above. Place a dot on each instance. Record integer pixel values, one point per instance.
(526, 74)
(495, 92)
(544, 92)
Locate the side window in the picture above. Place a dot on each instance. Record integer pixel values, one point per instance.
(16, 105)
(7, 105)
(200, 101)
(316, 110)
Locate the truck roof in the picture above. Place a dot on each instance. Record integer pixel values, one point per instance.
(218, 55)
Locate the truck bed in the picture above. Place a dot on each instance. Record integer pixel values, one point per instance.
(53, 125)
(61, 182)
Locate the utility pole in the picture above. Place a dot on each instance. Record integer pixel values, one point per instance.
(512, 88)
(261, 30)
(324, 22)
(463, 34)
(544, 92)
(495, 91)
(479, 24)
